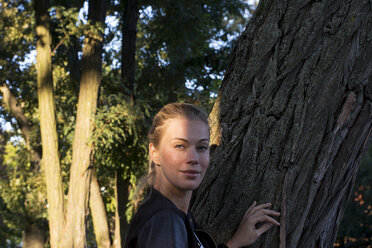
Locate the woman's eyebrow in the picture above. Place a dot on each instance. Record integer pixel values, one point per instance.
(182, 139)
(185, 140)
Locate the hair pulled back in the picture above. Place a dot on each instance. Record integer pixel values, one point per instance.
(173, 111)
(169, 112)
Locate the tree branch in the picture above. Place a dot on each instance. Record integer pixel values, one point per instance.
(11, 104)
(59, 44)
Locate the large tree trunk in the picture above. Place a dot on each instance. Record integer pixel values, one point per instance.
(292, 121)
(80, 172)
(49, 138)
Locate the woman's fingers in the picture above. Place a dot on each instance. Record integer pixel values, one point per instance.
(247, 232)
(265, 218)
(248, 212)
(261, 214)
(260, 207)
(260, 210)
(253, 209)
(250, 208)
(270, 212)
(263, 228)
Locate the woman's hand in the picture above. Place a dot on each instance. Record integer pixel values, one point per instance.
(247, 232)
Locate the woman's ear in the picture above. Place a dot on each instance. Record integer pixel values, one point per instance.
(154, 154)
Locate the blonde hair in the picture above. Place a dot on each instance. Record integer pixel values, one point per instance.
(168, 112)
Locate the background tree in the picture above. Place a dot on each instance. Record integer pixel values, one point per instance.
(49, 137)
(291, 121)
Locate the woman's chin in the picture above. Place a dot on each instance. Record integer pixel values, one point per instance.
(189, 186)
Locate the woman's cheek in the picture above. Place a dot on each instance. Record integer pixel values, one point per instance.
(205, 162)
(167, 153)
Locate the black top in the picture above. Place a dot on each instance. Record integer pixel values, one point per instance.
(159, 223)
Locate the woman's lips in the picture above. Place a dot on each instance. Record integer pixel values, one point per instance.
(191, 173)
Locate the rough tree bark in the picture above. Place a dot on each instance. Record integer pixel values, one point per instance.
(292, 121)
(80, 172)
(49, 138)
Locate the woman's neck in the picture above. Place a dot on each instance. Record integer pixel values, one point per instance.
(179, 198)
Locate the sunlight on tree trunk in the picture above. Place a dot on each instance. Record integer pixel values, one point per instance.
(80, 171)
(49, 138)
(97, 207)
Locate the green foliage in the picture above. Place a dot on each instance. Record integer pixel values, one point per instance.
(356, 226)
(119, 141)
(177, 44)
(66, 24)
(119, 136)
(17, 37)
(22, 193)
(21, 189)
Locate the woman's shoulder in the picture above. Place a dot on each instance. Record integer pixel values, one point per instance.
(155, 203)
(164, 229)
(153, 207)
(158, 220)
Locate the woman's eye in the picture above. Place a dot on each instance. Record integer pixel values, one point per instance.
(180, 146)
(202, 148)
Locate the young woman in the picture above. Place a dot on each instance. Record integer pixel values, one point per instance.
(179, 158)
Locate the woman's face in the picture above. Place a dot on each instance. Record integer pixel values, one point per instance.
(182, 155)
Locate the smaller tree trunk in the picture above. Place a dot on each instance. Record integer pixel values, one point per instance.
(33, 237)
(99, 216)
(117, 238)
(122, 199)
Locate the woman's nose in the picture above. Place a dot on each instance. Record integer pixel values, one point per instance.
(192, 156)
